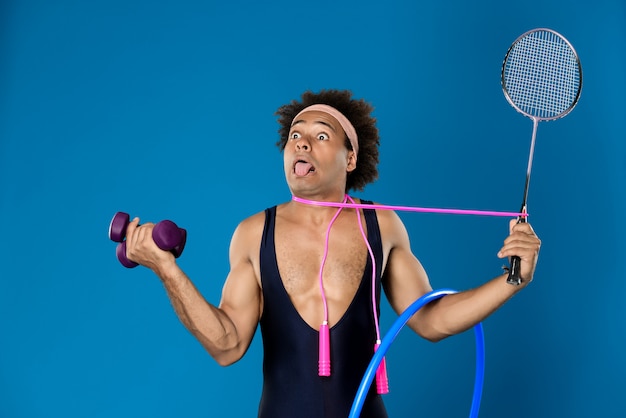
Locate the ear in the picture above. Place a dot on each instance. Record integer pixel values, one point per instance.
(351, 162)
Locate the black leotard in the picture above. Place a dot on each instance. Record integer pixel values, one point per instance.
(291, 385)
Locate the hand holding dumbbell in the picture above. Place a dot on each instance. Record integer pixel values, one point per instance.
(166, 235)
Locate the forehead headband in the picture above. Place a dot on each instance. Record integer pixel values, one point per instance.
(343, 121)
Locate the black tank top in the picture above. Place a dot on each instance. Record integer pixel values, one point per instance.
(291, 385)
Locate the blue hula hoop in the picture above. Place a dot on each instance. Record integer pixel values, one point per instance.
(391, 335)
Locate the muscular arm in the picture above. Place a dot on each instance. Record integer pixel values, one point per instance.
(225, 331)
(405, 281)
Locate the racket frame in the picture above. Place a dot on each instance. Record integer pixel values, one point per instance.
(504, 83)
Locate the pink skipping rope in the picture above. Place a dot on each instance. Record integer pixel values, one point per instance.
(382, 384)
(409, 208)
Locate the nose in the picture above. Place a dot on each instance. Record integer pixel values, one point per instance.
(303, 144)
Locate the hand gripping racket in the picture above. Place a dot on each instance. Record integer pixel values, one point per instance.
(541, 79)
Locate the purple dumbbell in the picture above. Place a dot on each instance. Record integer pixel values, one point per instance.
(166, 234)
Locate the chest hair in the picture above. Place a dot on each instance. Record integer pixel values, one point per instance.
(299, 253)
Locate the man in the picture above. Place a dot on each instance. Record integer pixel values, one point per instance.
(297, 266)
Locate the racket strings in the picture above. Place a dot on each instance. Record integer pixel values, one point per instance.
(542, 76)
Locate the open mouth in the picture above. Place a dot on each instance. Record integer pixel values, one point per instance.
(302, 168)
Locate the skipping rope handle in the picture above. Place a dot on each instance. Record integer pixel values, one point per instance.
(324, 354)
(382, 382)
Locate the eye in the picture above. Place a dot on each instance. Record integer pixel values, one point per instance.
(322, 137)
(294, 135)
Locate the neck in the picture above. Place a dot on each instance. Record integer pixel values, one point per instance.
(318, 211)
(327, 194)
(324, 202)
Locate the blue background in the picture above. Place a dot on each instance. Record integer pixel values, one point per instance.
(165, 110)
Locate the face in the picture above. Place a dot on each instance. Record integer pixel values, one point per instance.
(316, 160)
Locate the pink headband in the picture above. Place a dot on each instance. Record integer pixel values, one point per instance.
(343, 121)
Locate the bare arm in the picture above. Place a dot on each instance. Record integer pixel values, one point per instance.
(225, 331)
(405, 281)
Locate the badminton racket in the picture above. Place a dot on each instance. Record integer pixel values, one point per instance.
(541, 79)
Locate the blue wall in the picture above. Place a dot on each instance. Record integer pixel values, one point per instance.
(165, 110)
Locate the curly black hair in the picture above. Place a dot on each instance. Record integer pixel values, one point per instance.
(358, 113)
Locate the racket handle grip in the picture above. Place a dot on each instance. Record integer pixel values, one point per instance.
(515, 276)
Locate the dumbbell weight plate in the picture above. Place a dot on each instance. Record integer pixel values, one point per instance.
(120, 252)
(118, 225)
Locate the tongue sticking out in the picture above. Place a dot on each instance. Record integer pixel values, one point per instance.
(302, 168)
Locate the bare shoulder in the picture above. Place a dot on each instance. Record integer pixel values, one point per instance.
(252, 224)
(244, 251)
(392, 229)
(246, 239)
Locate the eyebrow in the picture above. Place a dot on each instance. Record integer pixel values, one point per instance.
(317, 121)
